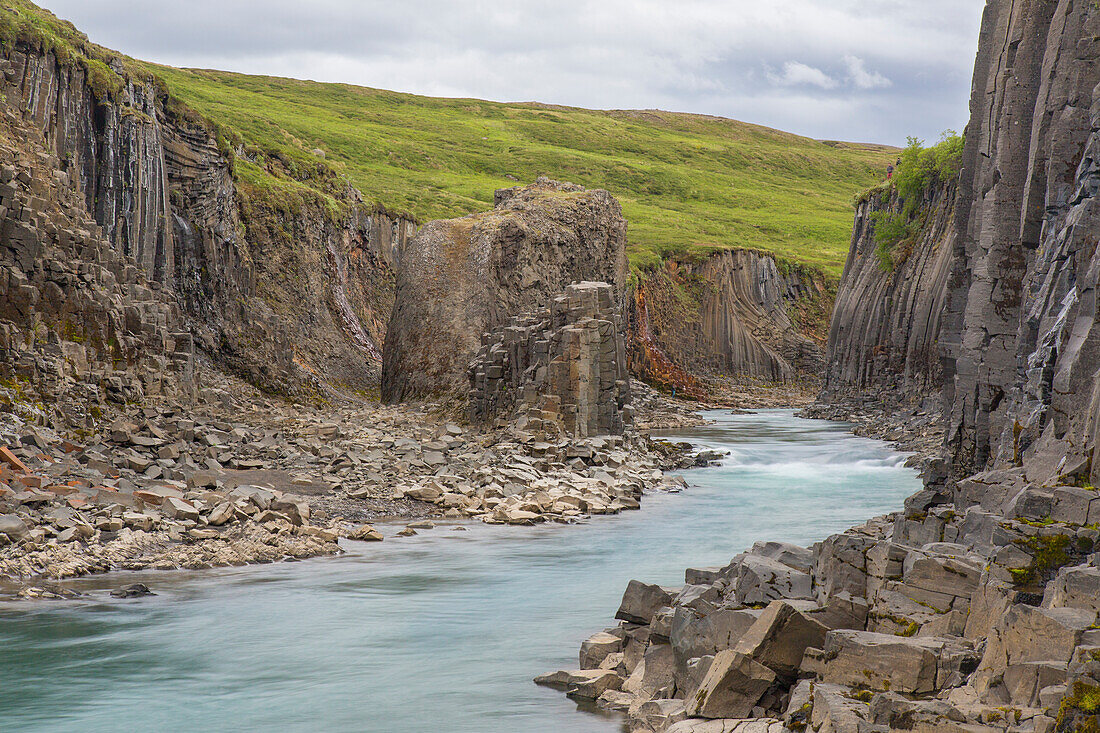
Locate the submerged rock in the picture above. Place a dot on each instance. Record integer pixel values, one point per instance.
(135, 590)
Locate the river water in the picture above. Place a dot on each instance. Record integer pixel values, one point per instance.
(438, 632)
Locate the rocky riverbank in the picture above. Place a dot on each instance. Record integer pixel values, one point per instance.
(239, 477)
(975, 609)
(916, 428)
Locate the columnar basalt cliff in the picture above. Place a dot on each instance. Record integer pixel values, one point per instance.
(735, 313)
(887, 321)
(559, 371)
(278, 288)
(1021, 317)
(464, 277)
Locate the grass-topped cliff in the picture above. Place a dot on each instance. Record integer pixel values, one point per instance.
(686, 182)
(683, 180)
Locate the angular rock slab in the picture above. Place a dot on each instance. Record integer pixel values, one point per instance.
(883, 662)
(732, 687)
(641, 601)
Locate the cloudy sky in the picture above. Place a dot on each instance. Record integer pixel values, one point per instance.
(868, 70)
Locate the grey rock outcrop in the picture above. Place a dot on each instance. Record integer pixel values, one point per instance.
(886, 324)
(561, 371)
(733, 313)
(288, 299)
(1021, 337)
(464, 277)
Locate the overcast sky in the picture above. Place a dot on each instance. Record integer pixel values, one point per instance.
(867, 70)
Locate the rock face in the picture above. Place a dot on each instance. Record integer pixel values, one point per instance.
(464, 277)
(974, 608)
(562, 371)
(287, 297)
(79, 321)
(884, 338)
(733, 313)
(1021, 315)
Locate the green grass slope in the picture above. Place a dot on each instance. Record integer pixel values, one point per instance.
(685, 181)
(688, 183)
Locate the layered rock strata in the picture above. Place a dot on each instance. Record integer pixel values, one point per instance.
(733, 313)
(464, 277)
(561, 371)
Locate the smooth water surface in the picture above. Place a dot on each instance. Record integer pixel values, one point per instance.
(438, 632)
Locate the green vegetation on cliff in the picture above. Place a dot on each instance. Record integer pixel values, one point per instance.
(688, 183)
(685, 181)
(920, 168)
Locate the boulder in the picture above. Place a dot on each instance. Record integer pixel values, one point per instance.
(695, 636)
(1029, 648)
(1074, 587)
(12, 527)
(295, 510)
(780, 637)
(885, 662)
(364, 533)
(841, 565)
(429, 492)
(939, 581)
(658, 678)
(178, 509)
(756, 579)
(597, 647)
(641, 601)
(793, 556)
(221, 514)
(135, 590)
(656, 715)
(732, 687)
(836, 711)
(585, 683)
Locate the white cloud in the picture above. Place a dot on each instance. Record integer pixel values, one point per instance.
(747, 59)
(861, 78)
(799, 74)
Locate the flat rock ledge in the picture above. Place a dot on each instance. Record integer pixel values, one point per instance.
(974, 610)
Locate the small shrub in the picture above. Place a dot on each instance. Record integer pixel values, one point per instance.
(892, 230)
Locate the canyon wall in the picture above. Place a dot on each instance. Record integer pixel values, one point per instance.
(287, 294)
(295, 294)
(887, 321)
(735, 313)
(1020, 333)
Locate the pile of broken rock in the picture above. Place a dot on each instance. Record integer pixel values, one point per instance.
(237, 477)
(973, 611)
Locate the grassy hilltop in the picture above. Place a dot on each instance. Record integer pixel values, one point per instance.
(686, 182)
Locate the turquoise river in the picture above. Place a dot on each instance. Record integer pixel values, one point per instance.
(441, 632)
